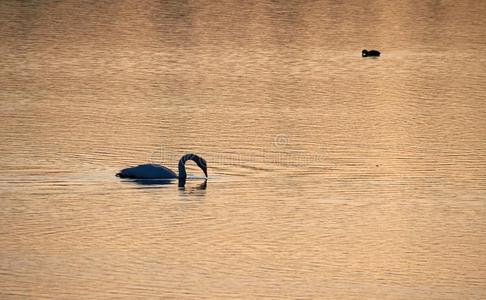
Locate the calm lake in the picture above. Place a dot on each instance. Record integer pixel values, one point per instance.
(331, 176)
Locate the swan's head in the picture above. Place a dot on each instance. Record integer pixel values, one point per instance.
(201, 163)
(364, 52)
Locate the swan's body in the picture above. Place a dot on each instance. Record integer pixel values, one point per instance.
(156, 171)
(147, 171)
(366, 53)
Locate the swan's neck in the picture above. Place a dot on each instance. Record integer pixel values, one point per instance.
(182, 169)
(182, 165)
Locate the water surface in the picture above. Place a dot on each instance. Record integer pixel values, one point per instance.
(331, 176)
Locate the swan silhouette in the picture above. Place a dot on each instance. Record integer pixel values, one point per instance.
(156, 171)
(366, 53)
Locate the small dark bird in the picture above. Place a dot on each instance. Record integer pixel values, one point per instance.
(366, 53)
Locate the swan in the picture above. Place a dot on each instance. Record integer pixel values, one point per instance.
(366, 53)
(156, 171)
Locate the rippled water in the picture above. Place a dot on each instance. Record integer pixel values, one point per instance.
(331, 176)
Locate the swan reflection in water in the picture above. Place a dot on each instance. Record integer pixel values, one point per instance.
(158, 174)
(185, 189)
(193, 191)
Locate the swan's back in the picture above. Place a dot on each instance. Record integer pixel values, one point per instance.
(147, 171)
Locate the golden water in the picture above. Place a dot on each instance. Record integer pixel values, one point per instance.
(331, 176)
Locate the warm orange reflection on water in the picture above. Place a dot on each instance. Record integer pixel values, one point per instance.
(331, 176)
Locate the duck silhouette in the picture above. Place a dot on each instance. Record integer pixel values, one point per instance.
(366, 53)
